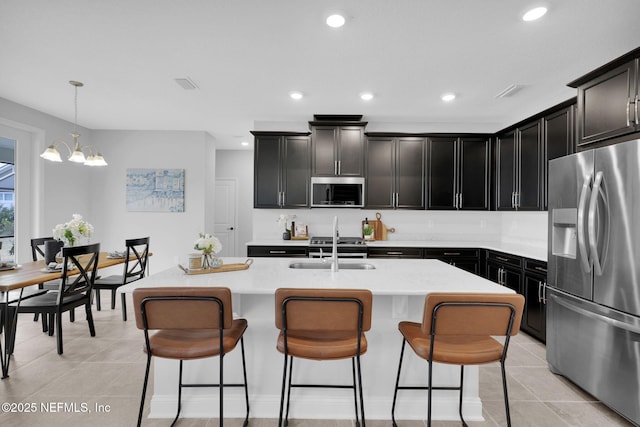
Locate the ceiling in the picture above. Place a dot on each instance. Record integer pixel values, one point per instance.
(246, 56)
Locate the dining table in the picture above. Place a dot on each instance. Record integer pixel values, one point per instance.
(18, 278)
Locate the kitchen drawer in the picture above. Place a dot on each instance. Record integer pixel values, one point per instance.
(505, 259)
(391, 252)
(277, 251)
(535, 266)
(451, 252)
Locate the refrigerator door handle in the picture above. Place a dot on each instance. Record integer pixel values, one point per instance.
(613, 322)
(582, 207)
(591, 229)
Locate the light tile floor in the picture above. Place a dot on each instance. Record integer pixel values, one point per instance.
(108, 369)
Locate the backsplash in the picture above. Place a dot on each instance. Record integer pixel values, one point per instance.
(528, 228)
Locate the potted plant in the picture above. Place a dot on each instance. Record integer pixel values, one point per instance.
(367, 232)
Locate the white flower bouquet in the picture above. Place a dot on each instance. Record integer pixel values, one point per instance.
(73, 230)
(284, 220)
(208, 244)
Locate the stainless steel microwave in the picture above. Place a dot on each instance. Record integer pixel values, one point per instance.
(337, 192)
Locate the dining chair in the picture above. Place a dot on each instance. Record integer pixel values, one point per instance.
(38, 252)
(74, 290)
(190, 323)
(459, 329)
(322, 324)
(135, 267)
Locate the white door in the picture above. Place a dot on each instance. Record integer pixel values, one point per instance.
(225, 215)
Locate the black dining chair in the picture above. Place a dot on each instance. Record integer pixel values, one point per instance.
(135, 267)
(78, 274)
(38, 252)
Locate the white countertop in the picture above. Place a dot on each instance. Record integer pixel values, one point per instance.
(391, 277)
(523, 250)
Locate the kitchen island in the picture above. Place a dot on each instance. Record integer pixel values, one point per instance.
(398, 286)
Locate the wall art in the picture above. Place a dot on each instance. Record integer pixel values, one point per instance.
(155, 190)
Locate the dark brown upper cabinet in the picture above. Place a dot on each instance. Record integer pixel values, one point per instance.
(395, 173)
(559, 139)
(609, 100)
(458, 173)
(519, 170)
(337, 150)
(281, 170)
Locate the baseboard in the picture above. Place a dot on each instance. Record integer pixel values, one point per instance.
(314, 406)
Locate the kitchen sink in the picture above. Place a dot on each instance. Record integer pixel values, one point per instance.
(327, 266)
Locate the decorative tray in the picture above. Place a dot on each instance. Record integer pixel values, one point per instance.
(223, 268)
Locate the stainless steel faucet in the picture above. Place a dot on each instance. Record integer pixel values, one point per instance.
(334, 246)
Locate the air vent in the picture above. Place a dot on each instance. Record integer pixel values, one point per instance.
(186, 83)
(509, 91)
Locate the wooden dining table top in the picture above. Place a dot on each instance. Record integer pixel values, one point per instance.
(34, 272)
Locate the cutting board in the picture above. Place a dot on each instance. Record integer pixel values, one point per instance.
(379, 230)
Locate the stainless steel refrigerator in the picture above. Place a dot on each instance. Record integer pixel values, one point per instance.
(593, 294)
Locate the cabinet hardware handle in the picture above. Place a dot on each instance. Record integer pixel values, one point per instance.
(335, 167)
(502, 259)
(636, 109)
(543, 292)
(451, 253)
(540, 269)
(513, 200)
(629, 101)
(539, 291)
(277, 252)
(394, 253)
(460, 201)
(339, 167)
(396, 203)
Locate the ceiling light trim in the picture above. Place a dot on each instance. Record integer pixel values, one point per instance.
(534, 14)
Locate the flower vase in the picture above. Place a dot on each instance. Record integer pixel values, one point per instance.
(209, 261)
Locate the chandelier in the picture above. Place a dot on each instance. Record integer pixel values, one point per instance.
(93, 158)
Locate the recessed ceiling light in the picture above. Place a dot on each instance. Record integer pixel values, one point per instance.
(335, 21)
(245, 143)
(296, 95)
(448, 97)
(366, 96)
(535, 13)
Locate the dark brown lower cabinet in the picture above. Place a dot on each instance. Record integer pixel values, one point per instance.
(534, 317)
(527, 277)
(467, 259)
(278, 251)
(393, 252)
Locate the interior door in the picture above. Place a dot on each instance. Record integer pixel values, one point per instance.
(225, 215)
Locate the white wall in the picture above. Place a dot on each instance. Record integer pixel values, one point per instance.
(48, 193)
(238, 164)
(172, 234)
(52, 192)
(528, 228)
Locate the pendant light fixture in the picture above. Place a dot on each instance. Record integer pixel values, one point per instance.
(76, 155)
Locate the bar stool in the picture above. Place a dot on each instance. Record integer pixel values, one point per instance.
(322, 324)
(191, 323)
(458, 329)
